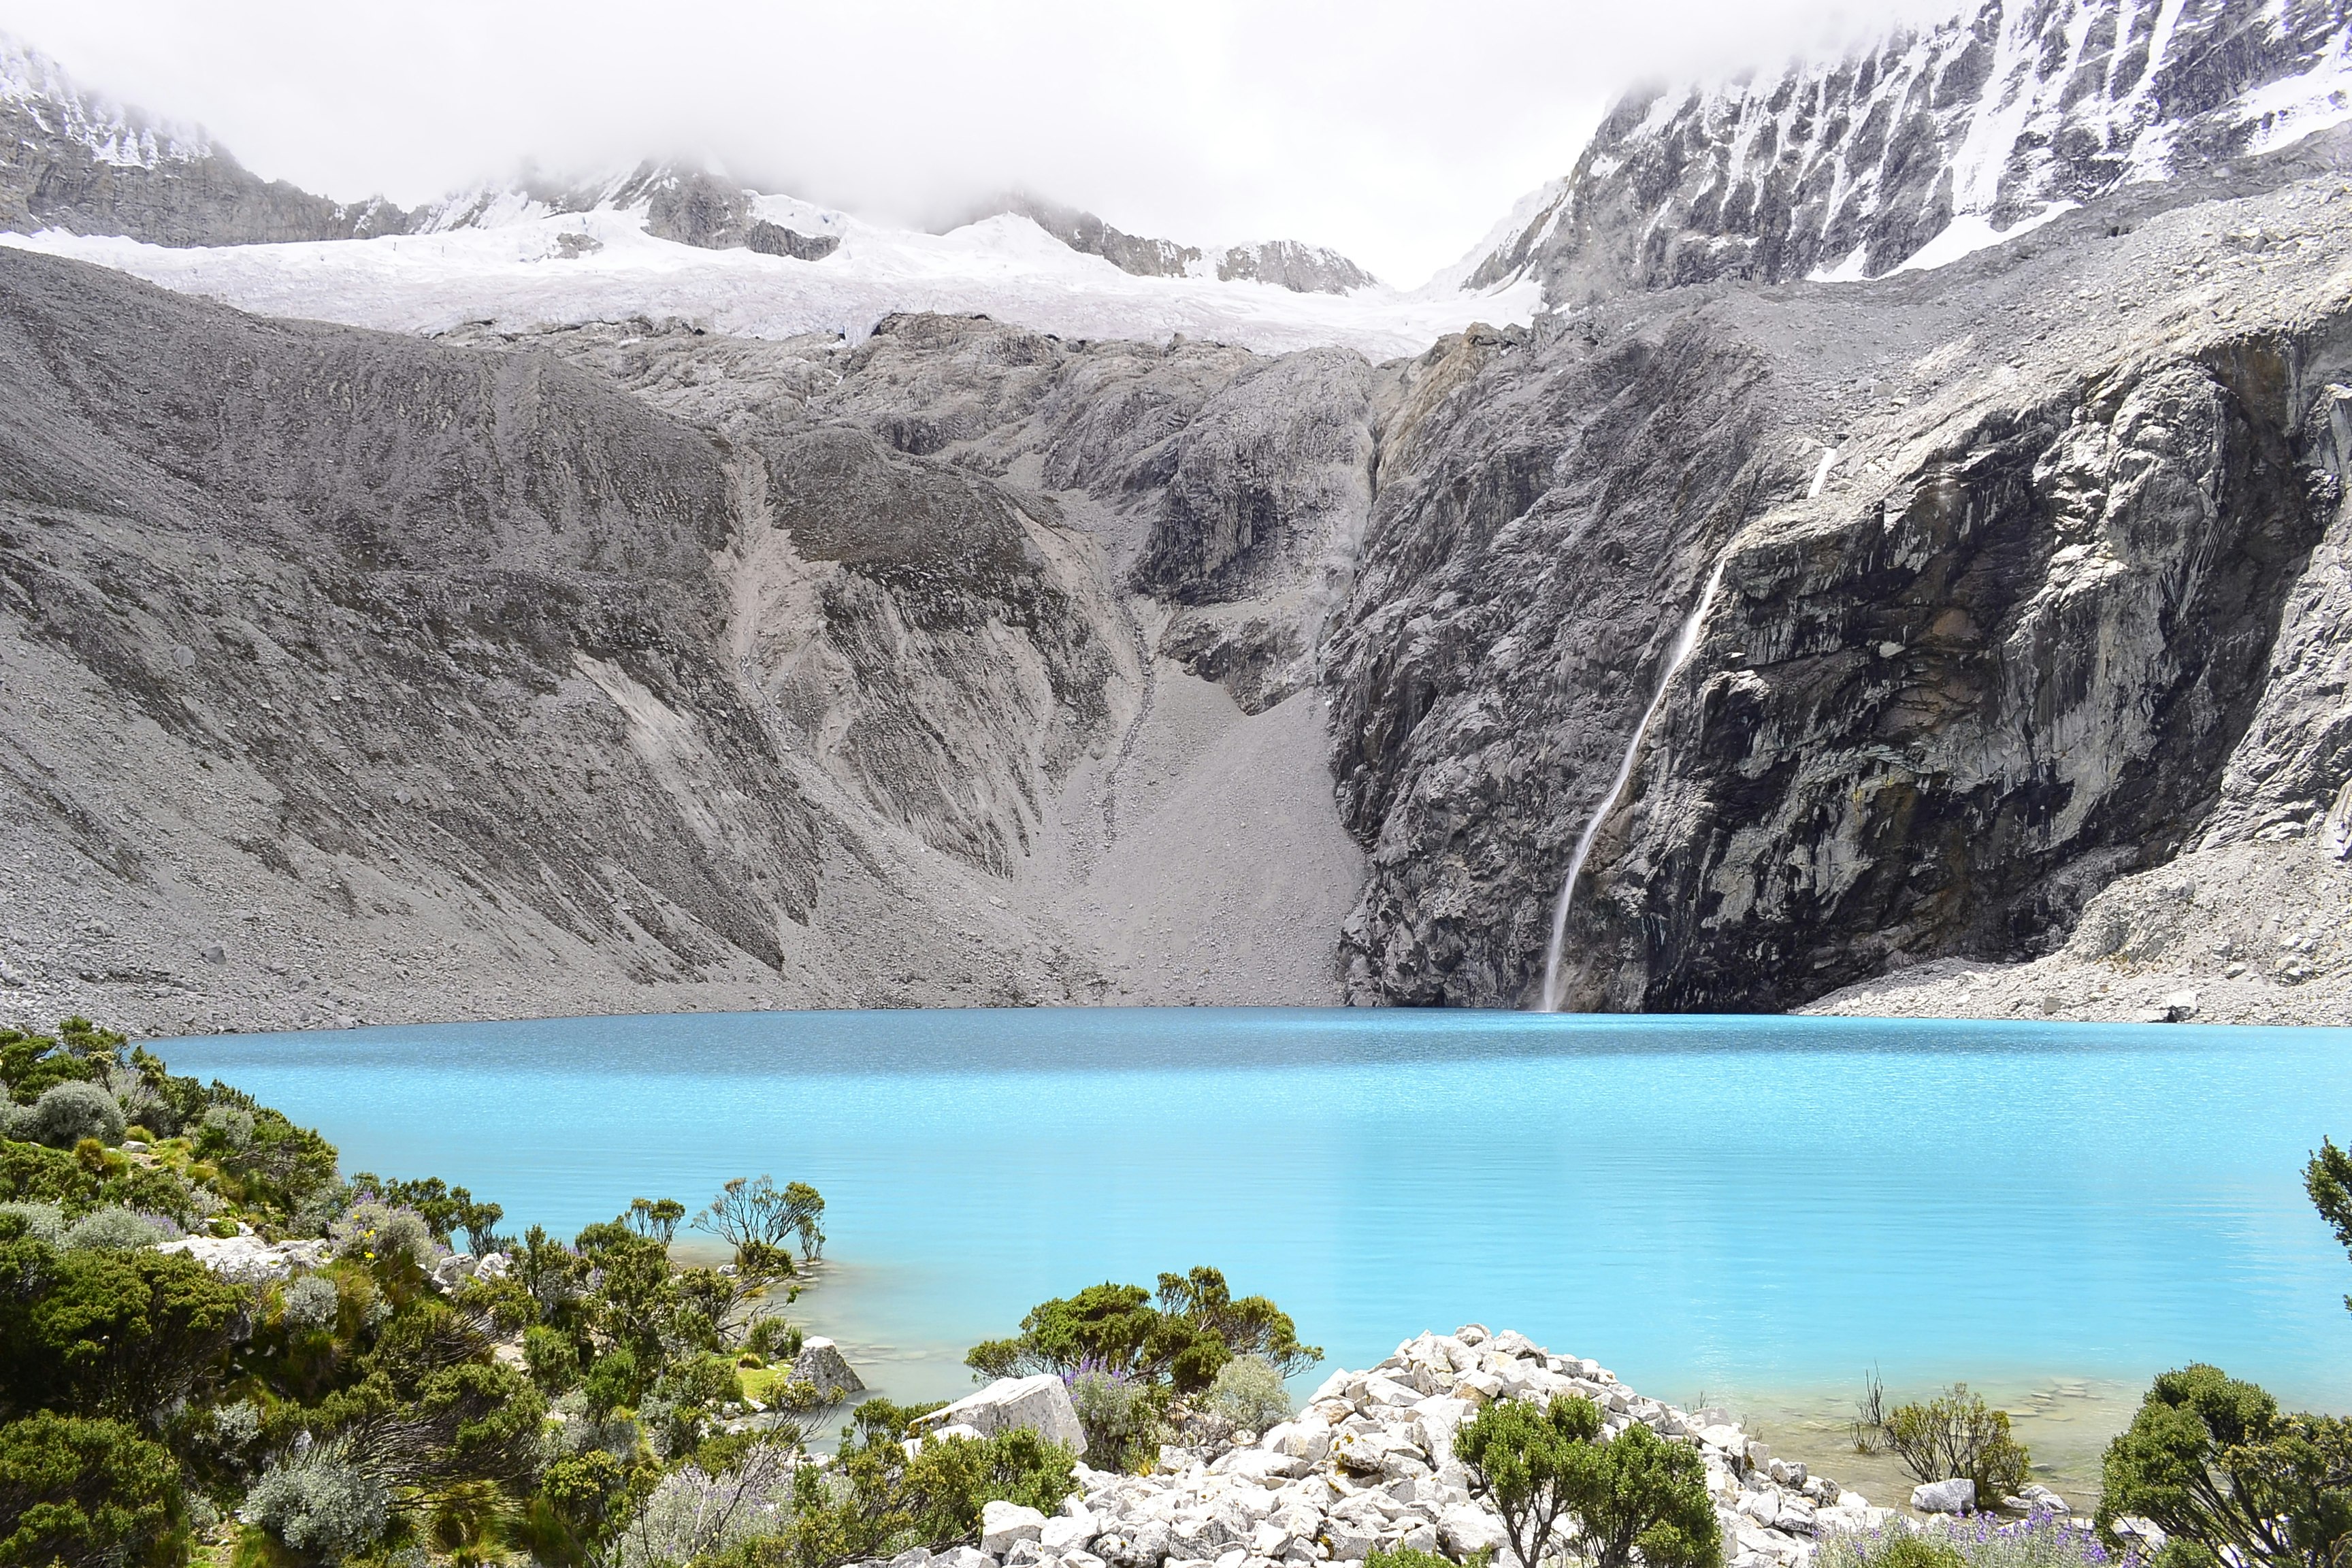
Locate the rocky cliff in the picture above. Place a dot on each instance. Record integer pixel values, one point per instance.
(2024, 563)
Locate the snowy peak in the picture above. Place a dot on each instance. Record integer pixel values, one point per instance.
(74, 160)
(1925, 147)
(34, 88)
(1283, 263)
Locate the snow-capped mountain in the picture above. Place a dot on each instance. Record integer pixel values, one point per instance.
(81, 177)
(73, 160)
(1925, 147)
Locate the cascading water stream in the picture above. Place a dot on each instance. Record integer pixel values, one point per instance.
(1685, 641)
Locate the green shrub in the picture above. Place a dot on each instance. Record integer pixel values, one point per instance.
(113, 1229)
(1248, 1392)
(1198, 1327)
(1550, 1478)
(2214, 1462)
(1120, 1418)
(68, 1113)
(1958, 1435)
(312, 1304)
(1900, 1547)
(322, 1507)
(1407, 1557)
(553, 1360)
(87, 1494)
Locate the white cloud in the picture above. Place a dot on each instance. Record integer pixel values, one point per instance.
(1395, 131)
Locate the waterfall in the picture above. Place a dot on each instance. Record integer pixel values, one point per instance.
(1685, 641)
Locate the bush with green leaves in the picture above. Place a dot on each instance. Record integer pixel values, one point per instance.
(87, 1493)
(113, 1228)
(322, 1505)
(66, 1114)
(1411, 1557)
(2215, 1463)
(1249, 1393)
(1121, 1417)
(1197, 1327)
(2045, 1538)
(1547, 1472)
(1957, 1434)
(878, 1500)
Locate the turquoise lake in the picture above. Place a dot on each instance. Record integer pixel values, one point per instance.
(1738, 1207)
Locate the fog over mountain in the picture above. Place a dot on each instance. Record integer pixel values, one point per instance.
(1394, 133)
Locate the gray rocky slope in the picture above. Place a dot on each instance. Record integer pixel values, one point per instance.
(625, 666)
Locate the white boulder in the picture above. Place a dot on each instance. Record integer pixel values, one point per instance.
(248, 1259)
(1956, 1495)
(1041, 1404)
(1001, 1524)
(822, 1364)
(1067, 1532)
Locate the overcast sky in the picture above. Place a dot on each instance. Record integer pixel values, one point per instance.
(1395, 132)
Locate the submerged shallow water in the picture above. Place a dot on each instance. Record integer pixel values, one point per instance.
(1758, 1208)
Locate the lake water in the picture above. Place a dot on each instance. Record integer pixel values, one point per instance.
(1757, 1209)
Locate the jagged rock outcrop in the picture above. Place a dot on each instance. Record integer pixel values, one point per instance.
(72, 159)
(1284, 263)
(1859, 164)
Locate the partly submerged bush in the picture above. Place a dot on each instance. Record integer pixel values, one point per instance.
(1957, 1434)
(1249, 1393)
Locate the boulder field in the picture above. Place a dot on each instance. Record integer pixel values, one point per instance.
(1369, 1466)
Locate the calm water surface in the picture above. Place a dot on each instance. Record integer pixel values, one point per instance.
(1737, 1206)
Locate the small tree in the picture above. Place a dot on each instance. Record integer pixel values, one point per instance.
(1552, 1479)
(1520, 1458)
(1957, 1434)
(2328, 1179)
(2211, 1460)
(1641, 1493)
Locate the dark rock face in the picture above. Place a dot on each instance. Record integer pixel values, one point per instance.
(1950, 729)
(775, 239)
(1857, 164)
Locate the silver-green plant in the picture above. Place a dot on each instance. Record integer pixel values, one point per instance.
(1249, 1393)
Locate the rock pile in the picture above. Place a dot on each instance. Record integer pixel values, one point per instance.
(1369, 1464)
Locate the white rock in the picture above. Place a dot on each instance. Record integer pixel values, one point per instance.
(962, 1557)
(1467, 1527)
(821, 1363)
(1004, 1523)
(248, 1259)
(1066, 1531)
(493, 1265)
(1956, 1495)
(1257, 1465)
(1040, 1403)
